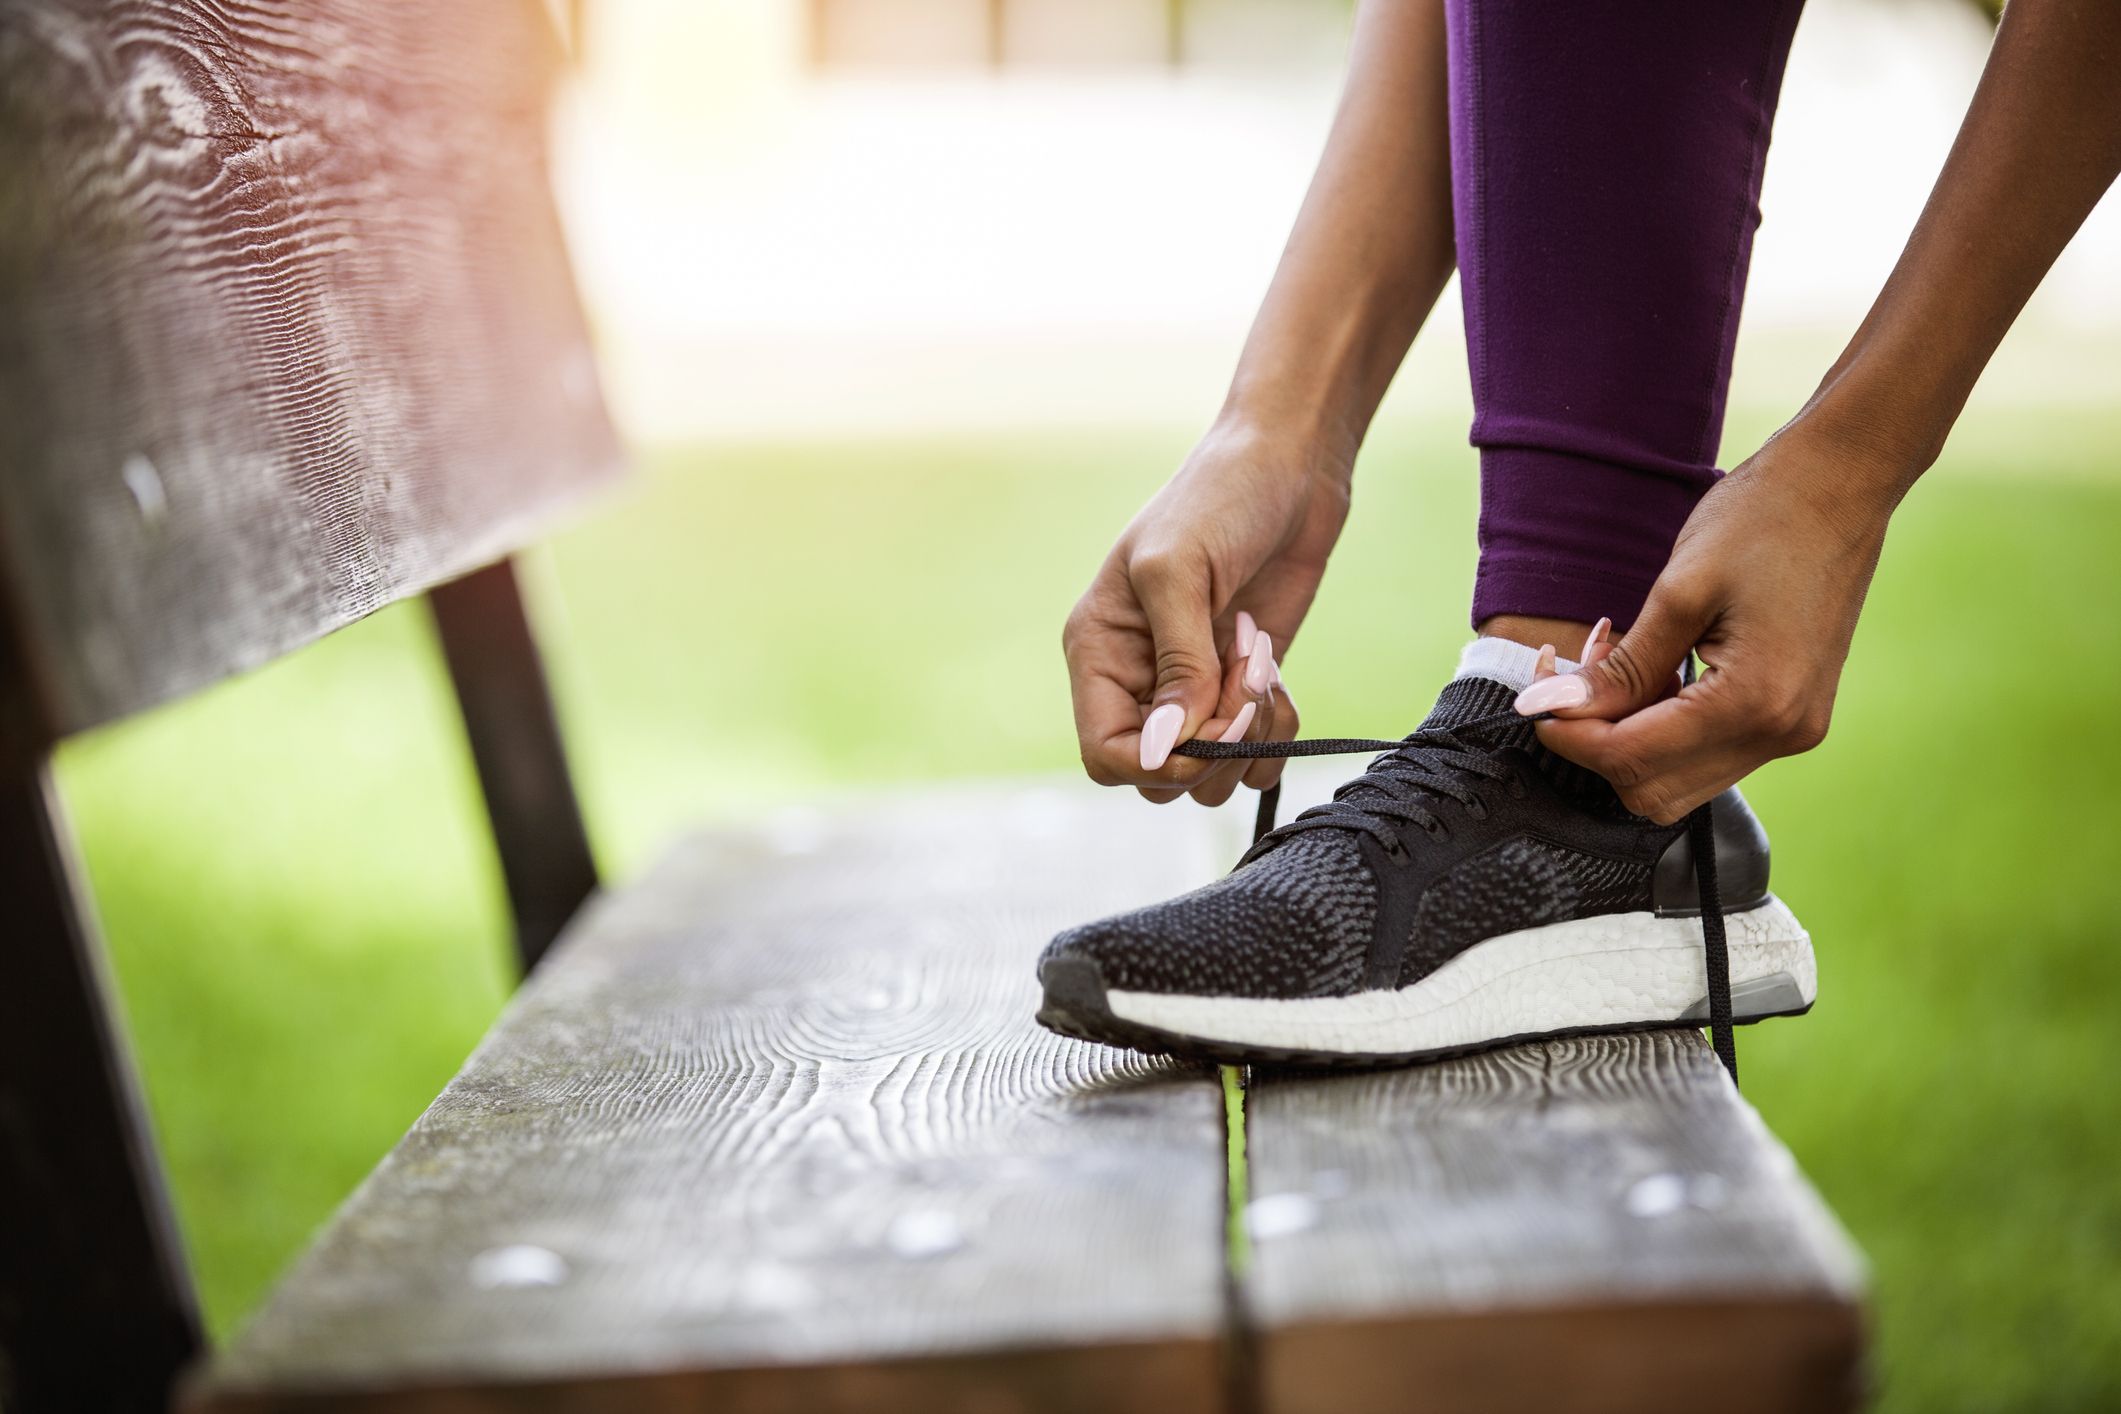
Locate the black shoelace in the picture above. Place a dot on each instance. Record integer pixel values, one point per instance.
(1444, 764)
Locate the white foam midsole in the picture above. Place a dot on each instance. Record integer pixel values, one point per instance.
(1615, 970)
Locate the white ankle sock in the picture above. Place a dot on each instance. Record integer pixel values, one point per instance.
(1500, 660)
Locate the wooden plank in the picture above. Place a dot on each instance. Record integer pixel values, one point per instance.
(286, 329)
(1591, 1224)
(1732, 1356)
(778, 1127)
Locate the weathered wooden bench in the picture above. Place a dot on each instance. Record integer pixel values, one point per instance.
(286, 334)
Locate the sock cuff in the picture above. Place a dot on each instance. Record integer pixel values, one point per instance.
(1500, 660)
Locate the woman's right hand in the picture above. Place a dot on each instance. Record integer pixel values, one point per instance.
(1153, 647)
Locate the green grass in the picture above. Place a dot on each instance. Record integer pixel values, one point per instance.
(307, 925)
(1237, 1186)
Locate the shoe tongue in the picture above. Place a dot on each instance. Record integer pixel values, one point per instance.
(1471, 699)
(1467, 700)
(1463, 702)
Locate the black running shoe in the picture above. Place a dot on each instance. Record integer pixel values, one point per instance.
(1470, 889)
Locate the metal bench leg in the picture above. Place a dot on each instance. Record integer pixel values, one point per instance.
(96, 1307)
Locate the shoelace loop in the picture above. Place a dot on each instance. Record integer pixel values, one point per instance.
(1420, 765)
(1430, 766)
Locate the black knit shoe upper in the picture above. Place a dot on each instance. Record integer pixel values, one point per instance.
(1467, 830)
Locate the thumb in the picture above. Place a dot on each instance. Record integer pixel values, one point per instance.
(1637, 672)
(1182, 629)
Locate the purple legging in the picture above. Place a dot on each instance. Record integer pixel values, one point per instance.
(1605, 164)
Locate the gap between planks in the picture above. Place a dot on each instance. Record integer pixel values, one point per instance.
(1243, 1391)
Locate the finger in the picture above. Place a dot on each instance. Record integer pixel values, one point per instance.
(1173, 591)
(1278, 720)
(1111, 668)
(1111, 728)
(1108, 717)
(1223, 782)
(1597, 646)
(1260, 670)
(1666, 759)
(1246, 627)
(1544, 666)
(1212, 782)
(1639, 670)
(1238, 710)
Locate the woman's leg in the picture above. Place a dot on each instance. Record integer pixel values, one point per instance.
(1606, 159)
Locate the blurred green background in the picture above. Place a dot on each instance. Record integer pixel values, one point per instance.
(307, 923)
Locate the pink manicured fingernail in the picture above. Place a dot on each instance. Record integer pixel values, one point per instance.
(1597, 636)
(1544, 668)
(1259, 672)
(1160, 734)
(1246, 627)
(1236, 730)
(1556, 694)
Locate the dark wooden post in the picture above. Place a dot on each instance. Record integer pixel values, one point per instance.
(273, 354)
(96, 1309)
(515, 742)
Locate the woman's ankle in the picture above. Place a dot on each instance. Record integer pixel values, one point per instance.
(1566, 635)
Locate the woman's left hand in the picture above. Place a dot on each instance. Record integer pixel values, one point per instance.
(1765, 583)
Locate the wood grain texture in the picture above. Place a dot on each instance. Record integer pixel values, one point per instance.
(1435, 1228)
(287, 330)
(778, 1126)
(782, 1117)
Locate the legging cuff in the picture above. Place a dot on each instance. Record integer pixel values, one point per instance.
(1567, 536)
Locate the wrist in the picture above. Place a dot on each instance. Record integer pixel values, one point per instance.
(1295, 416)
(1307, 440)
(1848, 481)
(1888, 413)
(1868, 456)
(1317, 364)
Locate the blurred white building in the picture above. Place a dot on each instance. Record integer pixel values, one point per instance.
(801, 217)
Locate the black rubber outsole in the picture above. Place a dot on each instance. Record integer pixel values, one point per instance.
(1075, 1005)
